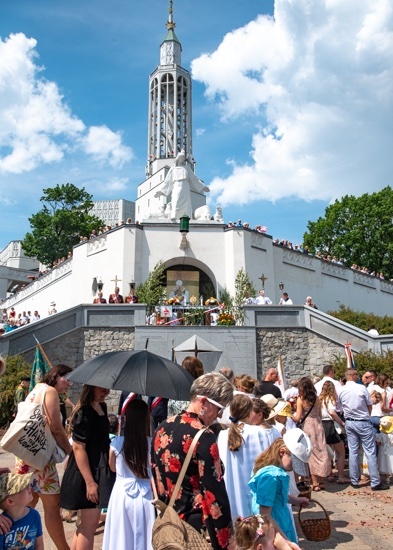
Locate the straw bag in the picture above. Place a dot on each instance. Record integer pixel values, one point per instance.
(315, 529)
(29, 436)
(169, 530)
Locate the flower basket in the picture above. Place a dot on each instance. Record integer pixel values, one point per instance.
(174, 301)
(315, 529)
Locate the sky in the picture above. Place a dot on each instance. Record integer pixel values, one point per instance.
(292, 102)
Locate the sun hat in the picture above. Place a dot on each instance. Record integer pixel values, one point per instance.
(282, 408)
(386, 424)
(11, 484)
(300, 447)
(269, 399)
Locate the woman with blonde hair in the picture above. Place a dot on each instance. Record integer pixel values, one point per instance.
(245, 384)
(328, 399)
(269, 483)
(239, 446)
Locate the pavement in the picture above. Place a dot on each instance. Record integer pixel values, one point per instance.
(360, 519)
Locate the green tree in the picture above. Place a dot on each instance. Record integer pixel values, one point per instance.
(152, 291)
(17, 367)
(242, 286)
(57, 227)
(357, 229)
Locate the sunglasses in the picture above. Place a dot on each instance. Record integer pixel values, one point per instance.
(218, 405)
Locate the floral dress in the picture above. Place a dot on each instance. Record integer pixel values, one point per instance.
(203, 500)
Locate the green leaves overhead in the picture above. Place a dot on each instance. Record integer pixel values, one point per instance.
(58, 226)
(359, 230)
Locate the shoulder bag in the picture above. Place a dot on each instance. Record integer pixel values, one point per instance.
(29, 436)
(169, 530)
(300, 424)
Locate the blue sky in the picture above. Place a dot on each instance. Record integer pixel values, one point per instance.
(292, 102)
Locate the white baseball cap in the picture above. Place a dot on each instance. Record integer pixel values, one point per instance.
(300, 447)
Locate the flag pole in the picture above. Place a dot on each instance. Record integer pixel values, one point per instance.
(42, 351)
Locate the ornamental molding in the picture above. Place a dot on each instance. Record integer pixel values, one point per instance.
(334, 270)
(364, 280)
(298, 259)
(98, 244)
(386, 286)
(257, 241)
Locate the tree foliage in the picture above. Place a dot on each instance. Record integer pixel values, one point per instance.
(363, 320)
(17, 367)
(152, 291)
(242, 285)
(57, 227)
(381, 363)
(357, 229)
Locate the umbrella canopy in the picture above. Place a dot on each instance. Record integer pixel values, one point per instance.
(141, 372)
(197, 346)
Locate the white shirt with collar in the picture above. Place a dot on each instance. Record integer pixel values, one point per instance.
(355, 400)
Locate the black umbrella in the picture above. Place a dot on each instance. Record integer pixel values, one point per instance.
(141, 372)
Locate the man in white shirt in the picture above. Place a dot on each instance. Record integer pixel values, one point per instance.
(356, 403)
(285, 300)
(328, 376)
(368, 379)
(263, 300)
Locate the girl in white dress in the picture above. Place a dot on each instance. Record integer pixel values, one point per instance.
(239, 446)
(130, 516)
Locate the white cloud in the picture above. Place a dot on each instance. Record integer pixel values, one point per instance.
(115, 184)
(106, 145)
(318, 81)
(36, 126)
(199, 132)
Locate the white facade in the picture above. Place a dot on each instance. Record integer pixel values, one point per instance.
(113, 212)
(128, 253)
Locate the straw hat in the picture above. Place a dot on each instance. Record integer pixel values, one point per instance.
(282, 408)
(269, 399)
(386, 425)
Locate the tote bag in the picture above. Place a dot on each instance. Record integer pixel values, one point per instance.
(29, 436)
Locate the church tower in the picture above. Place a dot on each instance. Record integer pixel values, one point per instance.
(169, 123)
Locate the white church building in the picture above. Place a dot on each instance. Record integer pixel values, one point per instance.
(208, 257)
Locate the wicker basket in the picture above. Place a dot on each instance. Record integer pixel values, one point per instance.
(306, 491)
(315, 529)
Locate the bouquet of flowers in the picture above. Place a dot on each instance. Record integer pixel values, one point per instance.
(211, 302)
(175, 301)
(226, 319)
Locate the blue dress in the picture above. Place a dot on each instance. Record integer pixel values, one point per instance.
(270, 488)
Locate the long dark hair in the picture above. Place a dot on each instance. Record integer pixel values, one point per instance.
(136, 431)
(86, 398)
(307, 391)
(53, 374)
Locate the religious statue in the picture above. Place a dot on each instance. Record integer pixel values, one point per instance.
(178, 184)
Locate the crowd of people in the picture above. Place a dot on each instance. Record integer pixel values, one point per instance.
(12, 320)
(255, 452)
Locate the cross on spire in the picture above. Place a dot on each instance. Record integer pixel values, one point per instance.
(170, 25)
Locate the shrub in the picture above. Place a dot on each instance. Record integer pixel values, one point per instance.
(17, 367)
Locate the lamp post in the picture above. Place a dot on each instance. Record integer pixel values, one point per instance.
(184, 229)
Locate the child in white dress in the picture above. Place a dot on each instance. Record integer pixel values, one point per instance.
(385, 442)
(130, 515)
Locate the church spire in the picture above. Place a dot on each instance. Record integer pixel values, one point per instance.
(170, 25)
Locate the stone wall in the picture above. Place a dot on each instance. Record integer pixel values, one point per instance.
(303, 352)
(76, 347)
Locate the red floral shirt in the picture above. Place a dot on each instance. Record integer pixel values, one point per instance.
(203, 488)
